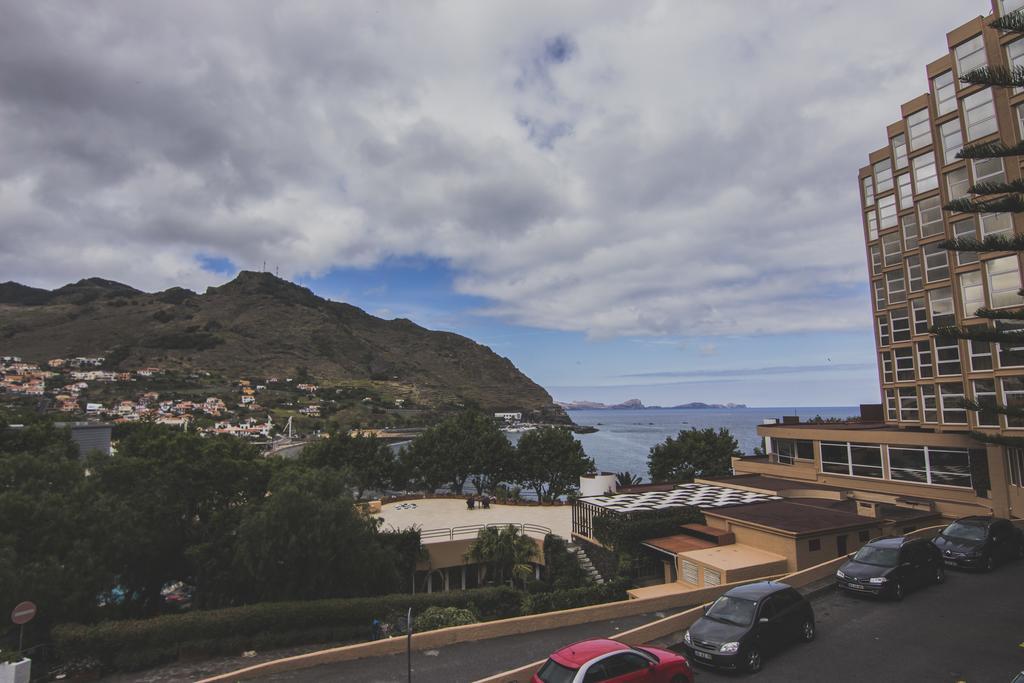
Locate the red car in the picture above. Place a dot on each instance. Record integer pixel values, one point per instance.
(589, 661)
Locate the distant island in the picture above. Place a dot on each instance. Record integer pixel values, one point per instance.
(637, 404)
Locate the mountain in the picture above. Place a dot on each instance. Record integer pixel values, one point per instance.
(261, 325)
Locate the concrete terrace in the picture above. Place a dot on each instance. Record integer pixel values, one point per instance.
(452, 513)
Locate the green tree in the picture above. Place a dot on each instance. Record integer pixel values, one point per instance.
(367, 460)
(626, 479)
(693, 453)
(551, 461)
(470, 444)
(505, 551)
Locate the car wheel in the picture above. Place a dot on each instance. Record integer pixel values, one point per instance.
(897, 591)
(990, 563)
(753, 660)
(807, 630)
(940, 574)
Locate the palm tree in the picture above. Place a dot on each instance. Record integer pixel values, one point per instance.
(623, 479)
(506, 550)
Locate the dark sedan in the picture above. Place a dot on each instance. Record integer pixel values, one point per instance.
(747, 623)
(980, 542)
(890, 566)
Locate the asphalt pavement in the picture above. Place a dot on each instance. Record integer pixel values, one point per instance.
(969, 629)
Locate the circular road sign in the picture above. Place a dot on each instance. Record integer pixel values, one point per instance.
(23, 612)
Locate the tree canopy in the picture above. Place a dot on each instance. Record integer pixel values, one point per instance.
(693, 453)
(551, 461)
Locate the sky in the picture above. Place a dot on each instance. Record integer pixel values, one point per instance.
(653, 200)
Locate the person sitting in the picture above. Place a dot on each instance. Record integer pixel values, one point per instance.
(470, 502)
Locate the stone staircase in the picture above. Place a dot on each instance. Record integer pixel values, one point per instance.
(585, 563)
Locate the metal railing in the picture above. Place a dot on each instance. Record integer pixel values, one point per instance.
(451, 533)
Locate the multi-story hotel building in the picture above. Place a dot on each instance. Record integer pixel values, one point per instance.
(917, 449)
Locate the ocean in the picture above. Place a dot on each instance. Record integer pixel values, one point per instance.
(625, 437)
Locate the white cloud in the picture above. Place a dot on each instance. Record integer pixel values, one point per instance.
(632, 168)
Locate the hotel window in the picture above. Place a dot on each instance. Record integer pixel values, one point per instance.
(872, 226)
(981, 354)
(1019, 110)
(869, 191)
(890, 404)
(1016, 458)
(1011, 354)
(891, 249)
(900, 325)
(929, 465)
(996, 224)
(914, 281)
(966, 229)
(952, 140)
(972, 293)
(883, 331)
(1007, 6)
(928, 410)
(896, 286)
(940, 301)
(920, 130)
(945, 93)
(985, 395)
(1015, 53)
(924, 359)
(1003, 282)
(989, 170)
(936, 263)
(883, 176)
(859, 460)
(957, 183)
(1013, 396)
(876, 259)
(887, 211)
(951, 398)
(930, 213)
(899, 149)
(947, 355)
(920, 316)
(909, 222)
(814, 545)
(905, 365)
(887, 376)
(906, 190)
(925, 177)
(879, 294)
(908, 403)
(970, 55)
(788, 449)
(690, 574)
(980, 114)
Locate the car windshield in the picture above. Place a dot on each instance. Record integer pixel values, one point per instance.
(553, 672)
(733, 610)
(964, 531)
(880, 557)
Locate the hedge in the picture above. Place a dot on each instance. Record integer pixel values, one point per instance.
(553, 601)
(140, 643)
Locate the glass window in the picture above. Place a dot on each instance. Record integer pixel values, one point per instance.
(957, 183)
(865, 460)
(920, 130)
(869, 190)
(947, 355)
(914, 281)
(985, 394)
(980, 114)
(887, 376)
(1003, 282)
(891, 249)
(880, 297)
(909, 223)
(972, 293)
(952, 140)
(890, 404)
(920, 316)
(883, 331)
(936, 263)
(924, 359)
(896, 286)
(966, 229)
(945, 93)
(940, 301)
(929, 412)
(908, 464)
(876, 259)
(1011, 354)
(872, 226)
(989, 170)
(996, 224)
(883, 176)
(905, 366)
(1013, 396)
(970, 55)
(1019, 110)
(1016, 458)
(1007, 6)
(899, 149)
(925, 177)
(950, 466)
(908, 403)
(1015, 53)
(930, 213)
(951, 397)
(900, 325)
(981, 354)
(887, 210)
(906, 190)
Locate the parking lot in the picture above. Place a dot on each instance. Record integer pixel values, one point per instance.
(969, 629)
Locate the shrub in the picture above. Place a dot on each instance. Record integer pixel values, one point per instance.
(443, 617)
(563, 569)
(552, 601)
(624, 534)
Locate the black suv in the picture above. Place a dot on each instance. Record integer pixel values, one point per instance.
(890, 566)
(979, 542)
(748, 622)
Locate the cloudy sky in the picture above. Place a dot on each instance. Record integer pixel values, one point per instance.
(628, 199)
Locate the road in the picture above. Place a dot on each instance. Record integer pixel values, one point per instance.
(970, 629)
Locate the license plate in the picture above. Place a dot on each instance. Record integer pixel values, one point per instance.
(951, 563)
(701, 655)
(855, 586)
